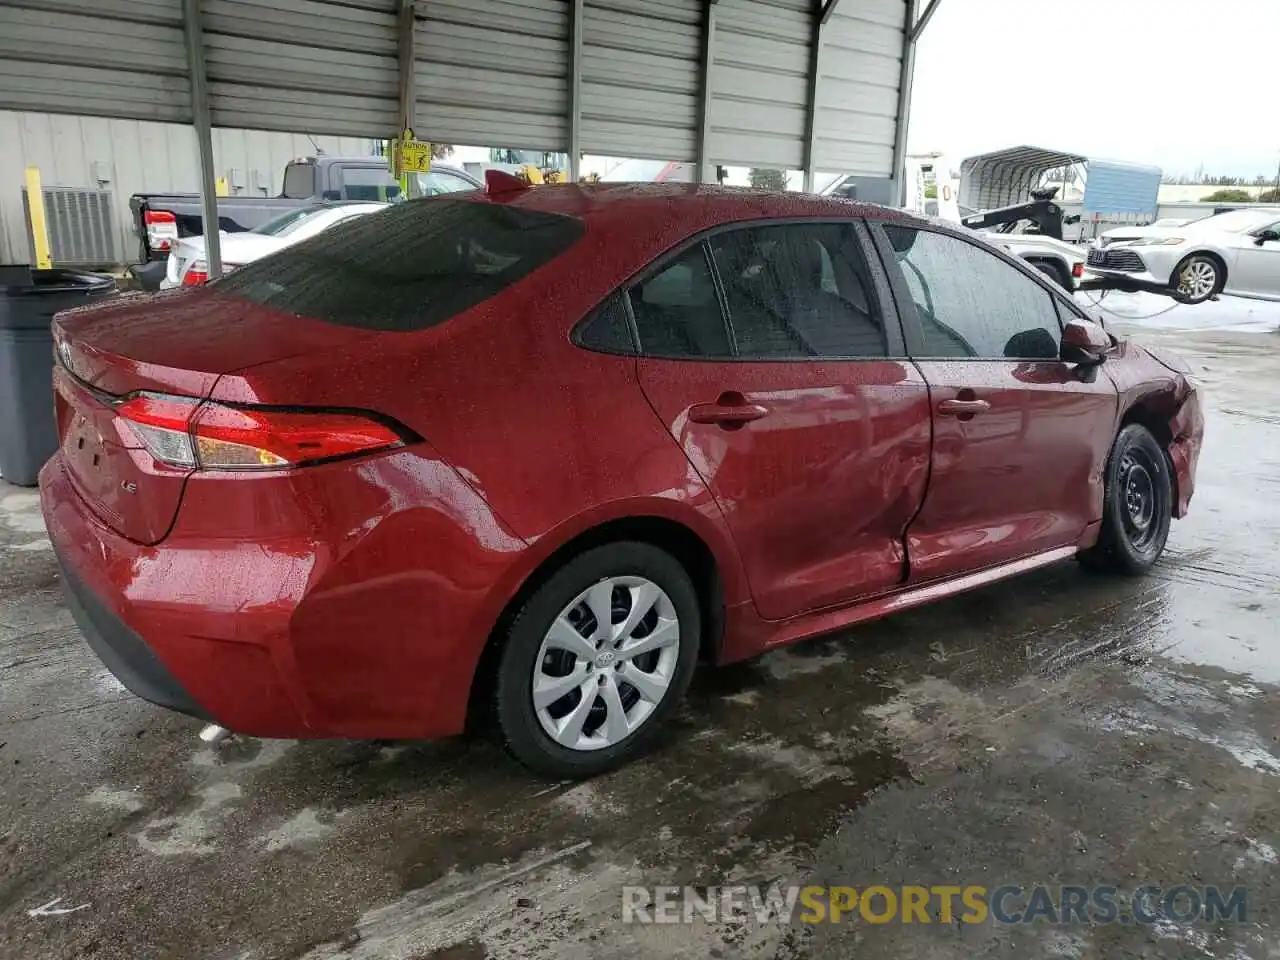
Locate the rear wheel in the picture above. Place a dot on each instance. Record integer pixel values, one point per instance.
(597, 659)
(1199, 277)
(1138, 507)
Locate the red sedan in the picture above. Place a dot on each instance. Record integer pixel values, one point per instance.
(531, 455)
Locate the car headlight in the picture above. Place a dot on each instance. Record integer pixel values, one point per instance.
(1157, 241)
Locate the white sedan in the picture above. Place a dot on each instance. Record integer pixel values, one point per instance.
(187, 266)
(1236, 253)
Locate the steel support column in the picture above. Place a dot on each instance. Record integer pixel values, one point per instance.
(820, 17)
(406, 51)
(202, 120)
(905, 80)
(575, 88)
(704, 116)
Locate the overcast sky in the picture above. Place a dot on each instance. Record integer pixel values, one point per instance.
(1174, 83)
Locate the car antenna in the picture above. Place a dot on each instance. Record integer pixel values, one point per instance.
(315, 146)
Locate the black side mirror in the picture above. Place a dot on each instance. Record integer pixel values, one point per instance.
(1264, 236)
(1084, 343)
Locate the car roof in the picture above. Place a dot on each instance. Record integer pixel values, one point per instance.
(660, 214)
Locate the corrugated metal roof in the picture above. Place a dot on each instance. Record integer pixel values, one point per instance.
(1006, 177)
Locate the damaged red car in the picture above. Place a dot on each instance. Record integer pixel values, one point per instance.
(527, 457)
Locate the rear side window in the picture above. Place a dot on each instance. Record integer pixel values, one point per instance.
(677, 310)
(609, 328)
(409, 267)
(799, 291)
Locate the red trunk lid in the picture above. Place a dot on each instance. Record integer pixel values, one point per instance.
(178, 344)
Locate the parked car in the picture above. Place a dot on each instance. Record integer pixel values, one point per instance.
(187, 266)
(530, 456)
(1236, 253)
(162, 219)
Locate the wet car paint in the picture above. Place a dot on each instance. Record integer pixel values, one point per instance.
(531, 441)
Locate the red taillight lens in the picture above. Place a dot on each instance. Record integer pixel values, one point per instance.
(162, 228)
(194, 277)
(211, 436)
(247, 437)
(1077, 270)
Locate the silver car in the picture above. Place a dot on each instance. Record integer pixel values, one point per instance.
(1236, 253)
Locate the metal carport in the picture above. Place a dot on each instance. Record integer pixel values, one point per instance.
(800, 84)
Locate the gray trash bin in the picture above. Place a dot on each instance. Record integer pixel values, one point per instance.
(28, 300)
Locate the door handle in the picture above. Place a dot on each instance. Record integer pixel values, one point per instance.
(729, 412)
(961, 408)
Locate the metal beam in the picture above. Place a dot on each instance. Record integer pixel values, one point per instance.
(811, 108)
(827, 10)
(905, 80)
(202, 120)
(575, 88)
(704, 115)
(923, 22)
(406, 52)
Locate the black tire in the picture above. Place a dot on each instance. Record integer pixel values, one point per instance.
(1053, 272)
(518, 725)
(1219, 270)
(1138, 505)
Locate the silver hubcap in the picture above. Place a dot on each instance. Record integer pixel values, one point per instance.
(606, 663)
(1198, 279)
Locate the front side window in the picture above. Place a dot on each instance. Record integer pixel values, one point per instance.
(971, 303)
(678, 312)
(799, 291)
(412, 266)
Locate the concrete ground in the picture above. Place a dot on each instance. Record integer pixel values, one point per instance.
(1062, 728)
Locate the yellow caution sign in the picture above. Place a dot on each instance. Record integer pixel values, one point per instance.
(410, 155)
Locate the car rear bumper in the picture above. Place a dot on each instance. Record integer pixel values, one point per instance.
(301, 636)
(123, 652)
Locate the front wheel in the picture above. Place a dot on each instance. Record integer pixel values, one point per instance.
(597, 659)
(1199, 277)
(1138, 505)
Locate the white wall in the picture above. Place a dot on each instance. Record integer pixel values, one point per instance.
(136, 157)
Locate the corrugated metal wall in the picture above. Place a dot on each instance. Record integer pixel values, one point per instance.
(303, 64)
(135, 156)
(494, 73)
(95, 57)
(488, 72)
(760, 82)
(860, 69)
(641, 78)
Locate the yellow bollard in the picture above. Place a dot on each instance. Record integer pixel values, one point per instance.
(39, 226)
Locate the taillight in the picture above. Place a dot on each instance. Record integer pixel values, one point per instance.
(1077, 270)
(162, 228)
(212, 436)
(196, 274)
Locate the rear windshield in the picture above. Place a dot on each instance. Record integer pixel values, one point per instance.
(407, 268)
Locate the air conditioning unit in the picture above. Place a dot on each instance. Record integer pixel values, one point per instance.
(81, 226)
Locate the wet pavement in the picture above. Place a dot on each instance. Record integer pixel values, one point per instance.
(1062, 728)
